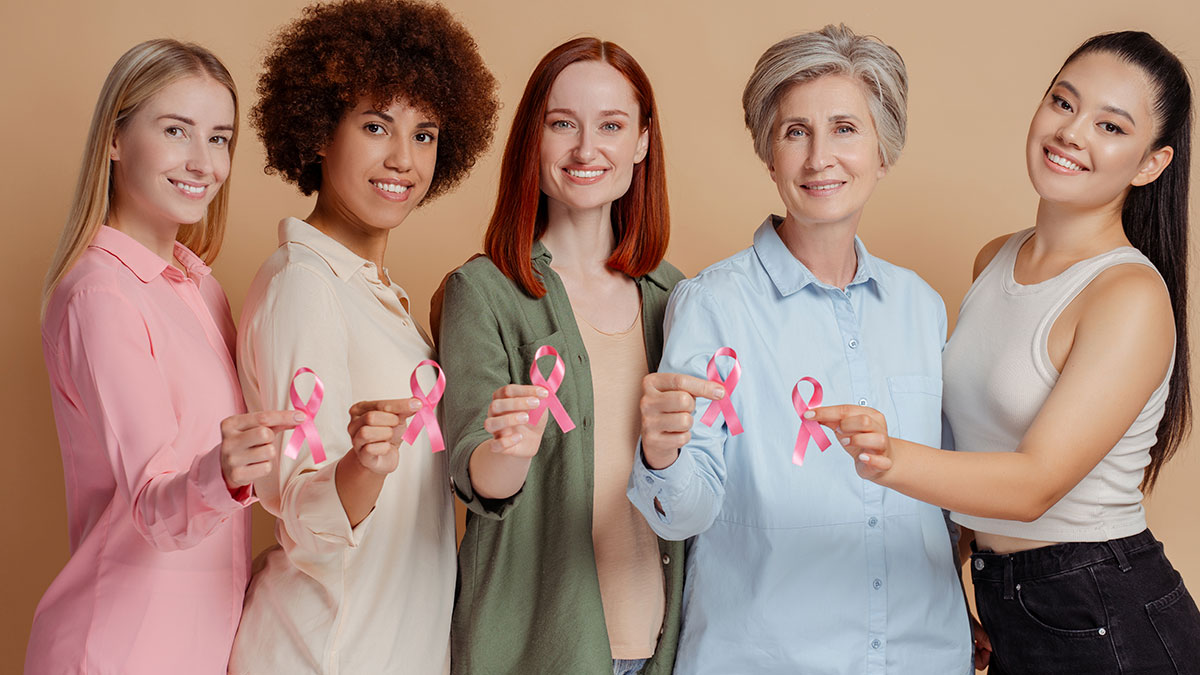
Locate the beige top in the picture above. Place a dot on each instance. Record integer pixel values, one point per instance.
(627, 557)
(330, 599)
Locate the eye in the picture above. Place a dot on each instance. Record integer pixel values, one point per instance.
(219, 140)
(1060, 102)
(795, 132)
(844, 129)
(174, 132)
(374, 128)
(425, 137)
(1111, 128)
(560, 125)
(611, 126)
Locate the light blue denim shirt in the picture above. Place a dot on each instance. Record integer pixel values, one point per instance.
(807, 569)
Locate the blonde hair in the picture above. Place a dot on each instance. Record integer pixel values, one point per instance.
(833, 50)
(137, 76)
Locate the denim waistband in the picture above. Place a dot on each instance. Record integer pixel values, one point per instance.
(1048, 560)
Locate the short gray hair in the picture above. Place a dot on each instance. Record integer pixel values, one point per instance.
(833, 50)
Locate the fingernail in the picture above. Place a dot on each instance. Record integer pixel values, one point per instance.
(542, 393)
(414, 404)
(534, 402)
(864, 458)
(720, 391)
(299, 416)
(517, 438)
(522, 417)
(808, 414)
(844, 441)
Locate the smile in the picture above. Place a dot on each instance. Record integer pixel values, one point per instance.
(579, 173)
(394, 188)
(823, 186)
(1063, 162)
(189, 189)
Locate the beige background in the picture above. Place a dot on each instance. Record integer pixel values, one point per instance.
(977, 72)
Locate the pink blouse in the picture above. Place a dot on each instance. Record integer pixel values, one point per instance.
(141, 375)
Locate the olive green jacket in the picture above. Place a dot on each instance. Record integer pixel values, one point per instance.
(528, 597)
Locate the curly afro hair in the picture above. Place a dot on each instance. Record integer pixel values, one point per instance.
(322, 64)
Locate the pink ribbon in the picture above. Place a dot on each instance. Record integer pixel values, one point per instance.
(551, 385)
(724, 405)
(426, 416)
(308, 428)
(808, 428)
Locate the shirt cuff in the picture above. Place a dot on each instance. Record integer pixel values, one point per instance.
(664, 485)
(208, 481)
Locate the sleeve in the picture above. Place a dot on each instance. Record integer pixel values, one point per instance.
(684, 499)
(177, 495)
(474, 359)
(300, 324)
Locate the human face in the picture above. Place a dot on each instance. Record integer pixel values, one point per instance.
(825, 157)
(591, 138)
(378, 165)
(1089, 140)
(172, 156)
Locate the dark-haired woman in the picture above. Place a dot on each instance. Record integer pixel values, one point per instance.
(558, 572)
(1066, 381)
(363, 578)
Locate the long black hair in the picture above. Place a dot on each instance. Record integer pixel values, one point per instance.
(1155, 215)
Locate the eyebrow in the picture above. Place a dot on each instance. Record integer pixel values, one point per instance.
(391, 120)
(1107, 108)
(189, 121)
(603, 113)
(840, 117)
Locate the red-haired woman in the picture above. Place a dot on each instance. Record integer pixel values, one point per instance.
(558, 572)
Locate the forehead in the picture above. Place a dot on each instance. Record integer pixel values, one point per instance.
(198, 98)
(1103, 79)
(592, 85)
(825, 97)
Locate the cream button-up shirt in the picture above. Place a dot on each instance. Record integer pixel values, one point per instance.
(332, 598)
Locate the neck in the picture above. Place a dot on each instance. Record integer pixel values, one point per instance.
(826, 250)
(579, 240)
(368, 243)
(1068, 231)
(159, 239)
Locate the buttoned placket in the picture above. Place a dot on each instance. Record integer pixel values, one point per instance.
(188, 290)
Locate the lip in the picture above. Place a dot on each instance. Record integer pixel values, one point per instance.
(822, 188)
(1047, 150)
(377, 184)
(584, 180)
(181, 185)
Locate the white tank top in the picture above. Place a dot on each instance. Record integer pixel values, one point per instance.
(997, 374)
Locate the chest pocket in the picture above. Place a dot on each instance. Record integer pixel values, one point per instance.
(917, 400)
(568, 391)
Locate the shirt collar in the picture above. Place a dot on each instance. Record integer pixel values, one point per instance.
(790, 275)
(145, 264)
(344, 262)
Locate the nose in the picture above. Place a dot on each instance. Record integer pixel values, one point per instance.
(199, 159)
(585, 147)
(399, 155)
(820, 153)
(1071, 132)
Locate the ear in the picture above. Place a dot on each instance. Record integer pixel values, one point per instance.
(643, 146)
(1153, 166)
(114, 152)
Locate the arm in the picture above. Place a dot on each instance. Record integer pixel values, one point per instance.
(177, 495)
(678, 479)
(1121, 351)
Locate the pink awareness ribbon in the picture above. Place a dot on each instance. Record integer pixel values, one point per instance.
(426, 416)
(724, 405)
(808, 428)
(308, 428)
(551, 385)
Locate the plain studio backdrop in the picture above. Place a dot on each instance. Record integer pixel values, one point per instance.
(977, 72)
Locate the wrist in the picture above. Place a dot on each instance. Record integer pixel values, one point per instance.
(657, 460)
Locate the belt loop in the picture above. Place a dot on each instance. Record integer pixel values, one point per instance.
(1008, 577)
(1122, 560)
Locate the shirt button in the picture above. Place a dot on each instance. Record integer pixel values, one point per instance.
(877, 584)
(853, 343)
(876, 644)
(978, 564)
(649, 480)
(872, 521)
(666, 559)
(862, 401)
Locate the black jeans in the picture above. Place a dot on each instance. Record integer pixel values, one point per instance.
(1082, 608)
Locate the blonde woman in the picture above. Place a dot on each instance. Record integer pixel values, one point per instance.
(158, 456)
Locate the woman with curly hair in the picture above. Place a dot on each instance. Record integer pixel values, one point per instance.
(157, 448)
(377, 106)
(559, 574)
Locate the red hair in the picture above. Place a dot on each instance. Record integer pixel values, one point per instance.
(640, 219)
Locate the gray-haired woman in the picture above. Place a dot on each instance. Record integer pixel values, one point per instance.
(797, 564)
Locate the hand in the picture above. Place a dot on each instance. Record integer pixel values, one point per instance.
(248, 444)
(862, 432)
(375, 430)
(508, 420)
(983, 645)
(668, 401)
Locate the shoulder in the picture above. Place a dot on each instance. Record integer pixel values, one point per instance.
(733, 274)
(907, 284)
(988, 253)
(98, 278)
(292, 277)
(665, 276)
(1128, 292)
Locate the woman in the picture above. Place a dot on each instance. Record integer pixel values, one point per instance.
(363, 578)
(1067, 381)
(805, 568)
(157, 453)
(557, 572)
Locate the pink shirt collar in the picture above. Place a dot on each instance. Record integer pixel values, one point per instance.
(144, 263)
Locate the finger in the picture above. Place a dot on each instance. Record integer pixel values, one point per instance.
(283, 419)
(876, 462)
(377, 449)
(500, 444)
(670, 422)
(378, 418)
(499, 406)
(671, 401)
(402, 407)
(252, 455)
(240, 441)
(830, 415)
(857, 424)
(686, 383)
(495, 424)
(520, 390)
(872, 442)
(366, 435)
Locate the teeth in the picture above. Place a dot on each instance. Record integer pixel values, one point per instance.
(584, 174)
(190, 189)
(394, 188)
(1063, 162)
(823, 187)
